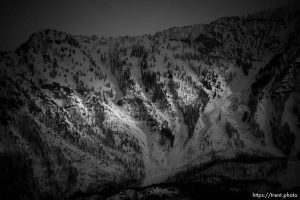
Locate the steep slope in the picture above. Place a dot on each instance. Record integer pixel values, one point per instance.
(83, 116)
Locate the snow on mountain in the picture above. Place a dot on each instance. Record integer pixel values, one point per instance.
(84, 115)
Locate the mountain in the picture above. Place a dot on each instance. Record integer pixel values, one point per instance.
(209, 108)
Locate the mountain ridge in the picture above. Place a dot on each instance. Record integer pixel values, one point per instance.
(85, 114)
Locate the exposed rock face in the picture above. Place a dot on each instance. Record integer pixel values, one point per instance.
(206, 104)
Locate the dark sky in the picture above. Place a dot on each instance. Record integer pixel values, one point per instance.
(20, 18)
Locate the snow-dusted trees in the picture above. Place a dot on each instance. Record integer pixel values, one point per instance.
(125, 80)
(191, 111)
(121, 71)
(166, 134)
(138, 51)
(54, 72)
(99, 114)
(230, 130)
(158, 92)
(191, 115)
(28, 130)
(149, 79)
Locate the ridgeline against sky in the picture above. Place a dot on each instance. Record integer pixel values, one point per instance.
(19, 19)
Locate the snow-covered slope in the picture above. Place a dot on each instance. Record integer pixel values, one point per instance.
(84, 116)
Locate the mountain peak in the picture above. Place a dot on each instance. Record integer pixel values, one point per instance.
(204, 105)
